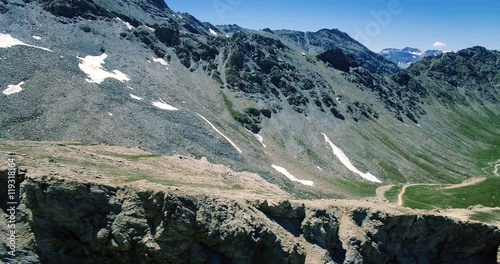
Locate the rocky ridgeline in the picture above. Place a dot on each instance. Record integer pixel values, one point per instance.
(74, 222)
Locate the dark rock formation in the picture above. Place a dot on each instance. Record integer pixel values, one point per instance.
(77, 222)
(337, 59)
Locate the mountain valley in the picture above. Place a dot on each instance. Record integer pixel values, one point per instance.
(311, 133)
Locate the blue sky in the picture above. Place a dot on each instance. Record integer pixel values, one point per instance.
(376, 23)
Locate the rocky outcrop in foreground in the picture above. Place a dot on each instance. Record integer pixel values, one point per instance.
(75, 222)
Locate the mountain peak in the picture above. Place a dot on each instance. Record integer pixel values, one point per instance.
(406, 56)
(411, 50)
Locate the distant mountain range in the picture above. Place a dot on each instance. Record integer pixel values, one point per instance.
(405, 57)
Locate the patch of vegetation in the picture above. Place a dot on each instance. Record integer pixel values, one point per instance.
(358, 189)
(392, 194)
(429, 197)
(82, 144)
(417, 160)
(229, 105)
(135, 177)
(489, 217)
(216, 77)
(167, 35)
(391, 172)
(311, 154)
(237, 187)
(134, 157)
(250, 118)
(484, 131)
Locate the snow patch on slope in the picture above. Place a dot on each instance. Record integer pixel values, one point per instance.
(164, 106)
(127, 24)
(212, 32)
(92, 66)
(161, 61)
(290, 176)
(343, 158)
(7, 41)
(220, 133)
(258, 137)
(13, 88)
(149, 28)
(135, 97)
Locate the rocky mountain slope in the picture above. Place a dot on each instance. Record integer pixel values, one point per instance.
(316, 112)
(406, 56)
(174, 140)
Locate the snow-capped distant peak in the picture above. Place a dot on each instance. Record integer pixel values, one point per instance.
(406, 56)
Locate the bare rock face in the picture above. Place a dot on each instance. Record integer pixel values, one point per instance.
(76, 222)
(82, 223)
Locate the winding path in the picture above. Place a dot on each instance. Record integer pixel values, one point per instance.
(380, 191)
(451, 186)
(403, 190)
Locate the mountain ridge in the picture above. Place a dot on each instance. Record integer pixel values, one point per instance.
(264, 82)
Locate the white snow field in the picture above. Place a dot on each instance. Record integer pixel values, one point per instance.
(13, 88)
(212, 32)
(220, 133)
(163, 106)
(290, 176)
(7, 41)
(161, 61)
(343, 158)
(92, 66)
(135, 97)
(127, 24)
(258, 137)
